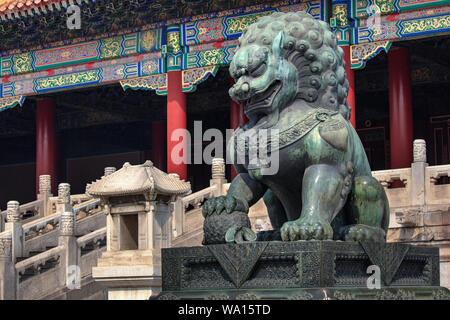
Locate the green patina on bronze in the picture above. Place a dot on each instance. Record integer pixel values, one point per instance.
(291, 72)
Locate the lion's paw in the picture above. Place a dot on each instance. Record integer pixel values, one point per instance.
(361, 232)
(219, 204)
(310, 228)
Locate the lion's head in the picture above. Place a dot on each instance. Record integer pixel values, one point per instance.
(288, 56)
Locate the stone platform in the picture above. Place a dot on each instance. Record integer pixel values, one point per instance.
(300, 270)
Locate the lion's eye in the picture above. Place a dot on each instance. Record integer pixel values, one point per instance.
(259, 71)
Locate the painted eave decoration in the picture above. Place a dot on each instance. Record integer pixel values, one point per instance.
(11, 102)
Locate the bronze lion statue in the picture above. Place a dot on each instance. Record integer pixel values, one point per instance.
(291, 73)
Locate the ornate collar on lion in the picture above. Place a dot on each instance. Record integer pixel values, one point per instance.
(285, 138)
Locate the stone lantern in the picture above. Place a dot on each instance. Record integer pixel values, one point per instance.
(138, 201)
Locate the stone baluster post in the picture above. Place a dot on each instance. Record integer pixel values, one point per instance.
(45, 191)
(418, 172)
(8, 278)
(218, 176)
(67, 231)
(15, 227)
(177, 209)
(63, 203)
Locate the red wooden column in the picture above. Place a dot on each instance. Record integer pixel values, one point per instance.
(45, 141)
(237, 118)
(400, 109)
(176, 119)
(351, 81)
(159, 147)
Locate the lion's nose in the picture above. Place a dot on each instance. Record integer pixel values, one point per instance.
(245, 87)
(240, 92)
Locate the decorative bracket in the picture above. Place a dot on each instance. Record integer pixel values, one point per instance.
(156, 82)
(192, 77)
(361, 53)
(11, 102)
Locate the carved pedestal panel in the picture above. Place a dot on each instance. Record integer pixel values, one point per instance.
(301, 270)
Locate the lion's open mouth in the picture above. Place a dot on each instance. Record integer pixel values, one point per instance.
(262, 101)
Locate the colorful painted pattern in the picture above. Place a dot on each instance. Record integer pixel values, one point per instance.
(360, 54)
(404, 25)
(219, 56)
(157, 82)
(11, 102)
(109, 48)
(360, 8)
(343, 35)
(67, 80)
(340, 13)
(229, 27)
(100, 72)
(192, 77)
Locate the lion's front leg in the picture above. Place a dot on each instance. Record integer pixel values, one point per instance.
(226, 217)
(321, 197)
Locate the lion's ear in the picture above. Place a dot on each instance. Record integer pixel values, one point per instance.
(277, 45)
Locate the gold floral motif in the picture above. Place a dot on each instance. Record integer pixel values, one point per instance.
(111, 47)
(173, 42)
(22, 63)
(67, 80)
(386, 6)
(427, 24)
(211, 57)
(150, 67)
(148, 39)
(340, 12)
(238, 24)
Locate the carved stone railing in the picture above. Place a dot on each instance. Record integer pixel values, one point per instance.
(400, 196)
(36, 207)
(420, 211)
(196, 199)
(53, 241)
(94, 238)
(437, 194)
(421, 194)
(87, 206)
(38, 261)
(46, 204)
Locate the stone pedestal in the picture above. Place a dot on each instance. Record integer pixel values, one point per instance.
(302, 270)
(129, 274)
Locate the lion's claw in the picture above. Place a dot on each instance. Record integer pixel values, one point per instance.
(309, 228)
(363, 233)
(218, 204)
(237, 234)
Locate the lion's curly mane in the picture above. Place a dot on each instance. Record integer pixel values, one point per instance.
(312, 48)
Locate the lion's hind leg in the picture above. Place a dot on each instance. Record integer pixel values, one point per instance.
(367, 211)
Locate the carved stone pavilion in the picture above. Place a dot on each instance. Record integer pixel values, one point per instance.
(77, 103)
(138, 202)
